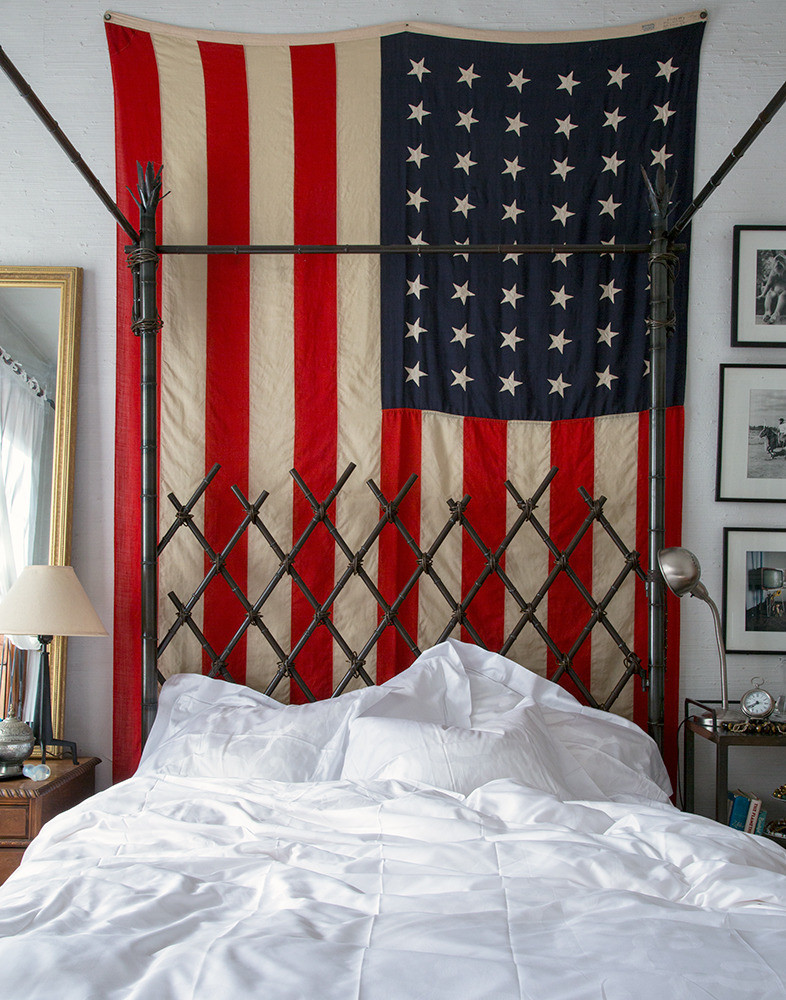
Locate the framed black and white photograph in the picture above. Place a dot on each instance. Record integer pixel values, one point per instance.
(758, 306)
(754, 590)
(752, 433)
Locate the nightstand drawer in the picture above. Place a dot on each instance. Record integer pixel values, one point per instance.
(14, 822)
(10, 859)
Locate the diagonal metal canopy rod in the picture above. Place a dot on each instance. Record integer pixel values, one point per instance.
(65, 143)
(764, 119)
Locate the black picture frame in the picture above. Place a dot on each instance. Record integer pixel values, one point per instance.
(758, 261)
(751, 460)
(754, 590)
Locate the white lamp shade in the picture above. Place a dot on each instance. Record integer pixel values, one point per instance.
(48, 600)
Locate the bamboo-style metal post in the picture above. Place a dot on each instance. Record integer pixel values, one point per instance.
(144, 259)
(660, 322)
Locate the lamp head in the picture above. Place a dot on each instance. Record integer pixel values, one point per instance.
(681, 571)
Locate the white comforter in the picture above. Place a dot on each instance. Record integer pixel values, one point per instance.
(464, 831)
(169, 887)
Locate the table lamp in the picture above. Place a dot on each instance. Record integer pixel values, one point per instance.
(682, 573)
(47, 601)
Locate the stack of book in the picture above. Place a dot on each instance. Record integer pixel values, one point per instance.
(745, 812)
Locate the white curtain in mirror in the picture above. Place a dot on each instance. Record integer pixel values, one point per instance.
(26, 433)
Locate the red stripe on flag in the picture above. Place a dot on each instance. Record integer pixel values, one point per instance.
(485, 470)
(573, 452)
(401, 456)
(226, 390)
(316, 339)
(138, 136)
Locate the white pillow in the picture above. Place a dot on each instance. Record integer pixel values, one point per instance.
(212, 728)
(518, 746)
(619, 757)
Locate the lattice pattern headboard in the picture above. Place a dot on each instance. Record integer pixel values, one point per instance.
(458, 612)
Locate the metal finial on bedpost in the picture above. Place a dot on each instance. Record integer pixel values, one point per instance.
(143, 259)
(660, 321)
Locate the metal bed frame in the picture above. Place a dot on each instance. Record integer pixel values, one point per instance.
(143, 258)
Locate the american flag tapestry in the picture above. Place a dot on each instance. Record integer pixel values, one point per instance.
(465, 369)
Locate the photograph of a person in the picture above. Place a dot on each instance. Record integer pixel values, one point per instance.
(754, 590)
(770, 286)
(758, 315)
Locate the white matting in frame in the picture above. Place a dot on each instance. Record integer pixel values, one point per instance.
(754, 570)
(751, 461)
(758, 308)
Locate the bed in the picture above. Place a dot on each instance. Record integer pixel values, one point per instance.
(467, 829)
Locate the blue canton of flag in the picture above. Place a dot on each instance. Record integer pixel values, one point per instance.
(492, 142)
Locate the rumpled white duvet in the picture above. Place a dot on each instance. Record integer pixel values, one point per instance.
(464, 831)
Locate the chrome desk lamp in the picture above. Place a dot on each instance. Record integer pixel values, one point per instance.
(682, 573)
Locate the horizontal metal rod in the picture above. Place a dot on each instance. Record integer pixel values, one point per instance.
(417, 249)
(65, 144)
(764, 119)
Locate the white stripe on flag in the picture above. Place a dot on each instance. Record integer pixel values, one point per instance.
(441, 478)
(526, 561)
(271, 347)
(616, 469)
(358, 349)
(183, 354)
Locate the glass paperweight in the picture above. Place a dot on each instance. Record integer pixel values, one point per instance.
(36, 772)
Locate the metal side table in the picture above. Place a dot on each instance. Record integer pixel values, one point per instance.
(722, 741)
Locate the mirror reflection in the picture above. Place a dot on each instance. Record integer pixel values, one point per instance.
(39, 339)
(29, 327)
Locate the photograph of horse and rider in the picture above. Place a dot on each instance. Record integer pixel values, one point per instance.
(767, 434)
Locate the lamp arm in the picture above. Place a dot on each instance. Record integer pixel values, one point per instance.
(700, 591)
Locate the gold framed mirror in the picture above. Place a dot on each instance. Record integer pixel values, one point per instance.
(40, 319)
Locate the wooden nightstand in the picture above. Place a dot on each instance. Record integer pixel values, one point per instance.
(26, 805)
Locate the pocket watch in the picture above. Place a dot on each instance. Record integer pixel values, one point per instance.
(757, 703)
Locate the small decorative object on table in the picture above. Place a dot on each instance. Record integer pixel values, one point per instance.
(17, 740)
(763, 728)
(776, 828)
(757, 705)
